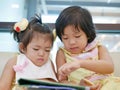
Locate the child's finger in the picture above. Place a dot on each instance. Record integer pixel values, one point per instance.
(63, 70)
(96, 87)
(61, 77)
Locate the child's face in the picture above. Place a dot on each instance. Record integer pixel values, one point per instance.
(74, 41)
(38, 49)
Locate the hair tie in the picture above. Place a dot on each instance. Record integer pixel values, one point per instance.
(54, 33)
(21, 26)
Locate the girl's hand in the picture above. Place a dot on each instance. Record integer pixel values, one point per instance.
(96, 87)
(85, 82)
(67, 68)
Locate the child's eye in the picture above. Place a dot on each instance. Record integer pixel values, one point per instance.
(47, 50)
(35, 49)
(64, 38)
(77, 36)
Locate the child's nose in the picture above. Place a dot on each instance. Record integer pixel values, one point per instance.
(41, 52)
(72, 41)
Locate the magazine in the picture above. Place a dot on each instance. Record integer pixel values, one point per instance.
(47, 85)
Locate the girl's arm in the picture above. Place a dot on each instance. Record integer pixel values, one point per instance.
(104, 65)
(60, 60)
(8, 75)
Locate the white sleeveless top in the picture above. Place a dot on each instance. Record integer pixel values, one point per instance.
(26, 69)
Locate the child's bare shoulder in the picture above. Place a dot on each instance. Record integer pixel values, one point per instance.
(12, 61)
(60, 52)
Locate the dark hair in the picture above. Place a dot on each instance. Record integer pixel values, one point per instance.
(35, 26)
(80, 18)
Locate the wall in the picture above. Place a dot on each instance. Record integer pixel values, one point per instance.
(4, 57)
(13, 10)
(116, 60)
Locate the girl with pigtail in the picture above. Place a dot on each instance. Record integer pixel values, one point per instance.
(35, 42)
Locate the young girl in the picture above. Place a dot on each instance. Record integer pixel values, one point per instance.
(35, 42)
(83, 59)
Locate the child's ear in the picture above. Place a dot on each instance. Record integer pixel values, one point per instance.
(21, 47)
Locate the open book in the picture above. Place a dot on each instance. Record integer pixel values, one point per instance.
(48, 85)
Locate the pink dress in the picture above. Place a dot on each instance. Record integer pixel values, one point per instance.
(26, 69)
